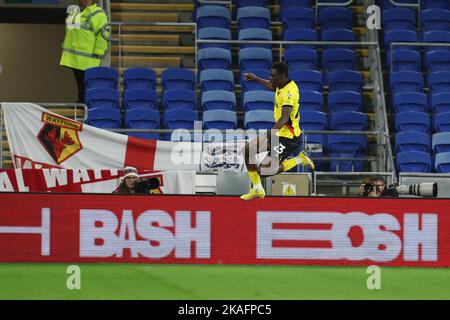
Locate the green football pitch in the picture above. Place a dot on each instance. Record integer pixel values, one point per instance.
(120, 281)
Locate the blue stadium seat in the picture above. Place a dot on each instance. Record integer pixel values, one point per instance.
(439, 82)
(300, 34)
(253, 85)
(143, 119)
(413, 161)
(345, 80)
(441, 122)
(298, 17)
(255, 34)
(311, 100)
(251, 3)
(412, 141)
(338, 59)
(217, 79)
(346, 146)
(214, 34)
(139, 78)
(412, 121)
(399, 18)
(102, 98)
(399, 36)
(442, 162)
(437, 60)
(301, 59)
(104, 118)
(335, 18)
(440, 102)
(339, 101)
(218, 100)
(402, 81)
(259, 120)
(308, 80)
(255, 58)
(253, 17)
(348, 121)
(101, 77)
(258, 100)
(410, 101)
(179, 99)
(213, 16)
(441, 142)
(180, 119)
(140, 98)
(437, 36)
(214, 58)
(404, 60)
(313, 120)
(435, 19)
(436, 4)
(219, 119)
(338, 35)
(178, 78)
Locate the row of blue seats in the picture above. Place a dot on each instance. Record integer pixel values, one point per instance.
(260, 58)
(417, 161)
(260, 34)
(424, 4)
(404, 18)
(407, 35)
(218, 99)
(420, 122)
(418, 101)
(139, 78)
(413, 81)
(411, 60)
(419, 141)
(260, 17)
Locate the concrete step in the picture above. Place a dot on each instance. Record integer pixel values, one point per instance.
(151, 39)
(176, 7)
(150, 62)
(144, 17)
(170, 50)
(159, 29)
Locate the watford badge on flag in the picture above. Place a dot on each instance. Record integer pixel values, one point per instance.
(59, 137)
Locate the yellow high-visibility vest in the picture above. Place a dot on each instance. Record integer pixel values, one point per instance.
(84, 44)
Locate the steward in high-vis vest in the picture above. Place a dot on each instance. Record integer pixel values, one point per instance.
(84, 44)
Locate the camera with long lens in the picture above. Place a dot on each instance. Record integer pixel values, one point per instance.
(426, 189)
(146, 185)
(368, 188)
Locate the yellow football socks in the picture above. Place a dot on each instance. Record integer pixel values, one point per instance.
(288, 164)
(255, 179)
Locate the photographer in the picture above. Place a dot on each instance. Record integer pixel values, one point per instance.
(374, 188)
(131, 184)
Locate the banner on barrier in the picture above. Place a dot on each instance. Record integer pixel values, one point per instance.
(89, 181)
(223, 230)
(42, 139)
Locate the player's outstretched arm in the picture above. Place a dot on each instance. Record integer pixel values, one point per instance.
(253, 77)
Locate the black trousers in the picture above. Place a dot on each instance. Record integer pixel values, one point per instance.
(79, 78)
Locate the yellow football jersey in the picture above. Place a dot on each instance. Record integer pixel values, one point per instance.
(289, 95)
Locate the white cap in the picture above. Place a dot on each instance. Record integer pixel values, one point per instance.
(130, 172)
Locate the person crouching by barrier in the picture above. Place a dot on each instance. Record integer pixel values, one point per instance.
(132, 184)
